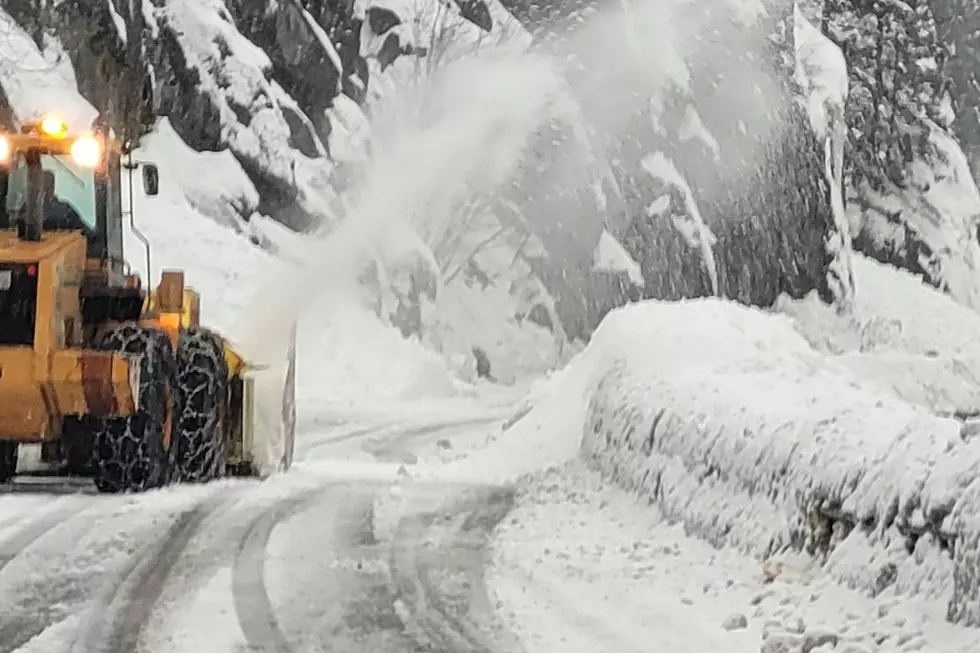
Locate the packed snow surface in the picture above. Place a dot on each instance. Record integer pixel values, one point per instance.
(580, 566)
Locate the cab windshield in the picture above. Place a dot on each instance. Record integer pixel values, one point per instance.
(69, 196)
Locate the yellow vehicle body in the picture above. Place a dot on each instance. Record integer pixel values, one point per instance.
(42, 383)
(69, 377)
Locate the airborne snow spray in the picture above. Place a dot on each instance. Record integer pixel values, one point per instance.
(463, 130)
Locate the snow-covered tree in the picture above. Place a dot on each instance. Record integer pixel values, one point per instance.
(897, 67)
(911, 197)
(958, 25)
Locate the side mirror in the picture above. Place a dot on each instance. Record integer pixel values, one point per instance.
(151, 179)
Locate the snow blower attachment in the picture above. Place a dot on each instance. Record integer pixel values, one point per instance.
(99, 377)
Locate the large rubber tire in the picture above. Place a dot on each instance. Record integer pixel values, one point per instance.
(131, 453)
(201, 450)
(78, 445)
(8, 461)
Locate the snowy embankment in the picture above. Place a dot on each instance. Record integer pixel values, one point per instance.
(733, 423)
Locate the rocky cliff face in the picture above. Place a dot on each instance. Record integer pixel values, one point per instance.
(253, 76)
(712, 189)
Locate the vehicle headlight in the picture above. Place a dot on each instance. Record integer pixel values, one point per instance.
(86, 151)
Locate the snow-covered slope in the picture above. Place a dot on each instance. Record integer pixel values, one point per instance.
(508, 271)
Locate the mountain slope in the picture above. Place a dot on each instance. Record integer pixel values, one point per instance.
(700, 186)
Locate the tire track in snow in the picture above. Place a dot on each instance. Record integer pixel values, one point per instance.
(392, 449)
(116, 623)
(253, 607)
(27, 535)
(15, 629)
(395, 449)
(256, 616)
(432, 611)
(345, 437)
(254, 611)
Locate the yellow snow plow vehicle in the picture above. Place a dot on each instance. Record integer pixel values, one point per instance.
(100, 377)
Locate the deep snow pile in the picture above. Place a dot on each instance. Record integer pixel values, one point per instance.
(730, 421)
(902, 334)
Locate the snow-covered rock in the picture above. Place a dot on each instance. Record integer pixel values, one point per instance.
(31, 88)
(258, 121)
(821, 72)
(612, 257)
(929, 226)
(912, 200)
(734, 156)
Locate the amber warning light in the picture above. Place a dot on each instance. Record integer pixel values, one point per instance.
(54, 127)
(85, 150)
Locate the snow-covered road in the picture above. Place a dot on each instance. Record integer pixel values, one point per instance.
(288, 565)
(401, 528)
(358, 555)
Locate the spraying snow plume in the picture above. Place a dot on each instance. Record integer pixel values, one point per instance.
(558, 134)
(469, 141)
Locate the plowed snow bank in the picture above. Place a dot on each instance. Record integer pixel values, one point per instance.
(733, 423)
